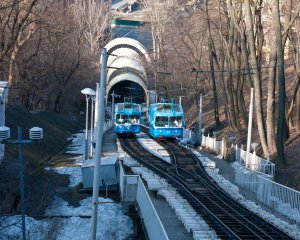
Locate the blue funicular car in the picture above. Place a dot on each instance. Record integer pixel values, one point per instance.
(127, 117)
(166, 119)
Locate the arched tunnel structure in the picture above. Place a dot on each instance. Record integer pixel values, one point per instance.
(126, 76)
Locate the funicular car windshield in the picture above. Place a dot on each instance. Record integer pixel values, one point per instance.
(175, 121)
(134, 119)
(136, 108)
(121, 118)
(161, 121)
(124, 118)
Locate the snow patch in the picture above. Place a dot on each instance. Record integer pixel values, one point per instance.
(153, 147)
(74, 173)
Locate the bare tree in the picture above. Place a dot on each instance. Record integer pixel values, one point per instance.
(92, 18)
(17, 25)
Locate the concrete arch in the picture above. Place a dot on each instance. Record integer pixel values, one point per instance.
(125, 62)
(129, 77)
(127, 43)
(123, 52)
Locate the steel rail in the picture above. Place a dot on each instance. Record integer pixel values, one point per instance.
(212, 187)
(218, 205)
(225, 230)
(214, 195)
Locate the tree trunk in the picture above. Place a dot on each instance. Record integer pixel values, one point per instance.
(297, 117)
(212, 70)
(281, 123)
(271, 136)
(256, 78)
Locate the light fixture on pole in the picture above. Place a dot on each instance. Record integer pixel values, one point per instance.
(87, 92)
(35, 135)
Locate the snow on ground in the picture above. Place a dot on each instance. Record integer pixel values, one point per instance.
(112, 222)
(153, 147)
(74, 172)
(77, 145)
(64, 222)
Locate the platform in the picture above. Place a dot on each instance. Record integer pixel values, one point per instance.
(109, 144)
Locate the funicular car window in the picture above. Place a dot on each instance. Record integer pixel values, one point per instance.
(177, 108)
(120, 107)
(121, 118)
(136, 108)
(160, 107)
(134, 119)
(175, 121)
(161, 121)
(168, 107)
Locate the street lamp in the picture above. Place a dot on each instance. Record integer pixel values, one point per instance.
(88, 93)
(35, 135)
(200, 117)
(113, 95)
(92, 123)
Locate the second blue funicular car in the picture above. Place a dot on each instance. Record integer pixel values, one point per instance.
(166, 119)
(127, 117)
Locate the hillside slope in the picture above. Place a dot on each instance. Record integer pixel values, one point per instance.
(40, 185)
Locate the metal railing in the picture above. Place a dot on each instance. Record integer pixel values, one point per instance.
(279, 197)
(138, 193)
(155, 228)
(248, 178)
(212, 144)
(255, 163)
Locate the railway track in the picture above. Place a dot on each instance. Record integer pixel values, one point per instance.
(228, 218)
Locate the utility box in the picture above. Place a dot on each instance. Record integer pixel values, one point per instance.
(108, 173)
(3, 96)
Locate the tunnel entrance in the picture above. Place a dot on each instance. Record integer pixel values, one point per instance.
(127, 89)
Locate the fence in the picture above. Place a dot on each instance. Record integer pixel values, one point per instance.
(212, 144)
(208, 142)
(107, 125)
(248, 178)
(191, 135)
(155, 228)
(254, 162)
(128, 186)
(279, 197)
(132, 189)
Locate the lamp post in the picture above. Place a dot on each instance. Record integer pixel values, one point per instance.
(87, 92)
(92, 124)
(35, 135)
(200, 116)
(112, 105)
(99, 128)
(200, 120)
(249, 125)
